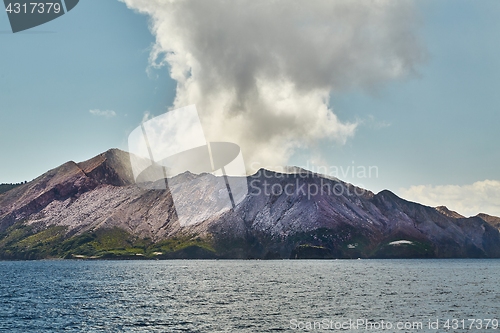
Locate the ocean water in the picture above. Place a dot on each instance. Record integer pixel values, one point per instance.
(250, 296)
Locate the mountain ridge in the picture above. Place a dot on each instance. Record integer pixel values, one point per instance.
(94, 209)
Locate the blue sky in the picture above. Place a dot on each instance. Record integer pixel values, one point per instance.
(94, 57)
(443, 124)
(439, 128)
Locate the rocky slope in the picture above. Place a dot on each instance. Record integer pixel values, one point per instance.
(492, 220)
(93, 209)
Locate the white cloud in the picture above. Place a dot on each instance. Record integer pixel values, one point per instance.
(105, 113)
(468, 200)
(261, 72)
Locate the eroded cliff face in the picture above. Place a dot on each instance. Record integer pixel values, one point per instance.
(94, 209)
(491, 220)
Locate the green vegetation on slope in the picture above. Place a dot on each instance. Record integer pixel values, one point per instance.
(22, 242)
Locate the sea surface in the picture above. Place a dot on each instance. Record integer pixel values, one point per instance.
(250, 296)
